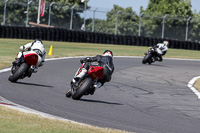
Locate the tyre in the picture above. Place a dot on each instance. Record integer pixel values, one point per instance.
(146, 58)
(69, 93)
(82, 88)
(16, 75)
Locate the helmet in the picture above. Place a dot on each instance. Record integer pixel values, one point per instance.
(166, 43)
(107, 53)
(37, 41)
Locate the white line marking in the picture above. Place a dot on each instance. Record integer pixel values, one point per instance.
(190, 85)
(4, 70)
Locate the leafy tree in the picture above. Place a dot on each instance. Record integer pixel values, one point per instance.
(60, 10)
(14, 12)
(173, 9)
(194, 25)
(127, 22)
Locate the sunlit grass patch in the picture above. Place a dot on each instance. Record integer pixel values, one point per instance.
(12, 121)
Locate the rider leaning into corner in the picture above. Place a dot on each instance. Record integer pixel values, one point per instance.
(38, 47)
(161, 49)
(105, 60)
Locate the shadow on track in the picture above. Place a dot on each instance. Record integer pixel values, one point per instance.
(157, 65)
(97, 101)
(32, 84)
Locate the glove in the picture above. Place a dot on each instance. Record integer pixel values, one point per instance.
(82, 60)
(88, 59)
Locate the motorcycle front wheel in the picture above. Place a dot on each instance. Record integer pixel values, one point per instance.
(146, 58)
(83, 87)
(17, 74)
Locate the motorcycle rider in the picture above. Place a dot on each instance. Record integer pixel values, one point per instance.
(38, 47)
(161, 49)
(105, 60)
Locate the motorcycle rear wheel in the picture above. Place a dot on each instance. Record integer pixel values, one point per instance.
(82, 88)
(17, 75)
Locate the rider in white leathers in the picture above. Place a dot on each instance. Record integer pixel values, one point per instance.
(161, 49)
(36, 46)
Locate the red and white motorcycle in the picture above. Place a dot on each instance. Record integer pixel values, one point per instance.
(24, 64)
(85, 85)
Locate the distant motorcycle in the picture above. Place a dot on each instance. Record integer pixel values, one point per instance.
(150, 55)
(24, 64)
(85, 86)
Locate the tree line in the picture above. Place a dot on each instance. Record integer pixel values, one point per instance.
(178, 13)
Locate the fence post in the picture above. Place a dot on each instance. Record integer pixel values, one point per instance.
(38, 17)
(4, 16)
(140, 24)
(49, 21)
(72, 12)
(163, 27)
(186, 34)
(28, 3)
(85, 14)
(116, 21)
(93, 21)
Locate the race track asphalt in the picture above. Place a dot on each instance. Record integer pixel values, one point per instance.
(140, 98)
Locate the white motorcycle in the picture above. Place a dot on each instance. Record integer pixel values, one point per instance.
(25, 64)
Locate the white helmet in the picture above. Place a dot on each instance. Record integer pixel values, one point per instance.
(166, 43)
(107, 53)
(37, 41)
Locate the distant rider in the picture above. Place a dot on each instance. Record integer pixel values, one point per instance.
(161, 49)
(36, 46)
(105, 60)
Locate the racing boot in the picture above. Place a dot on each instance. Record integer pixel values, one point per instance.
(97, 85)
(153, 59)
(69, 93)
(34, 69)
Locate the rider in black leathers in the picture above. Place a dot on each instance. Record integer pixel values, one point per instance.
(105, 60)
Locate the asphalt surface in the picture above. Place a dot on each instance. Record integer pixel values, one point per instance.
(140, 98)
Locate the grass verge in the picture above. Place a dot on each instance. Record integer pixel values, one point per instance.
(197, 84)
(10, 47)
(12, 121)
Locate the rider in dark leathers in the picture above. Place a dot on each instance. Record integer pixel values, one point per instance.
(105, 60)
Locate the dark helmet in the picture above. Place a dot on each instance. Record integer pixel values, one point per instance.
(107, 53)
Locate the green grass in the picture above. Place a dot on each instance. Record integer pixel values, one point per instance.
(10, 47)
(197, 84)
(12, 121)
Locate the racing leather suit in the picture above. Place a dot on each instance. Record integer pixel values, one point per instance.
(161, 49)
(104, 61)
(35, 47)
